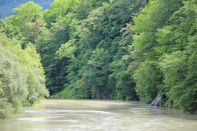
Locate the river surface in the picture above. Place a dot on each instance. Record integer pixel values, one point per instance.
(89, 115)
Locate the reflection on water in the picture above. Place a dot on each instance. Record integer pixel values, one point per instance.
(84, 115)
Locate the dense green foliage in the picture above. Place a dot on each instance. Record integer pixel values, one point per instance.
(148, 75)
(99, 54)
(113, 49)
(165, 51)
(22, 79)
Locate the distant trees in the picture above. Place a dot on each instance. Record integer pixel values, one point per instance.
(28, 25)
(6, 6)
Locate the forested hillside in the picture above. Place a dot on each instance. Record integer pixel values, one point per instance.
(6, 6)
(107, 49)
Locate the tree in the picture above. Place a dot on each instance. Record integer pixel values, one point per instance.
(22, 80)
(28, 25)
(147, 74)
(177, 41)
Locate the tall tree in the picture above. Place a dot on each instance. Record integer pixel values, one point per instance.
(148, 76)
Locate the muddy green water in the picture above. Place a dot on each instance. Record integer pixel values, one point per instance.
(84, 115)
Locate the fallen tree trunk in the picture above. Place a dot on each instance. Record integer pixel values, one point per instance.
(156, 101)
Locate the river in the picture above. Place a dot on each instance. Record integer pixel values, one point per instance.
(92, 115)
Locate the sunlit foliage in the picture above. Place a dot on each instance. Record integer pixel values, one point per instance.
(22, 79)
(101, 49)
